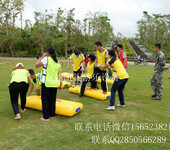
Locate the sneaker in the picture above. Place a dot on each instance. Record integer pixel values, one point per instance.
(23, 110)
(42, 119)
(73, 85)
(157, 98)
(80, 95)
(153, 95)
(110, 108)
(104, 92)
(18, 117)
(119, 105)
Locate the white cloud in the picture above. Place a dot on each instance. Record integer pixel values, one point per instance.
(123, 13)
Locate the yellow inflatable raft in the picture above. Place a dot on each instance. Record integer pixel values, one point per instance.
(66, 84)
(63, 107)
(69, 76)
(97, 94)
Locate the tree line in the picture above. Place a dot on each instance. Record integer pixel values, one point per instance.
(154, 29)
(59, 29)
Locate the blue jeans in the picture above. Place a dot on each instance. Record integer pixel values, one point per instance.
(118, 85)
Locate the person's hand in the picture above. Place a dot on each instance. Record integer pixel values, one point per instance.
(68, 67)
(45, 54)
(82, 69)
(101, 66)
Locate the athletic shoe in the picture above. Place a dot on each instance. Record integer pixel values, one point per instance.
(157, 98)
(119, 105)
(110, 108)
(73, 85)
(22, 111)
(80, 95)
(104, 92)
(153, 95)
(18, 116)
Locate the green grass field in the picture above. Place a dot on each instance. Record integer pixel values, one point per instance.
(60, 133)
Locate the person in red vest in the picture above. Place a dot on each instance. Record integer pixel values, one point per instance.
(86, 60)
(122, 56)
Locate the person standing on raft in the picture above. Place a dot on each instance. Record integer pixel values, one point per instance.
(121, 78)
(90, 71)
(50, 72)
(101, 59)
(78, 65)
(19, 84)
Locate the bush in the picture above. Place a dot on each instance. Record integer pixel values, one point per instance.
(127, 48)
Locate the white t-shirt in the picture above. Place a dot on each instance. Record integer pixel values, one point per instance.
(44, 61)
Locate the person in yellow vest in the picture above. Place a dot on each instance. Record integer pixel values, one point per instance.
(35, 81)
(78, 65)
(101, 59)
(51, 72)
(120, 79)
(90, 71)
(19, 84)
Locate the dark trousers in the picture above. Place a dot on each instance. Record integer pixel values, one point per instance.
(14, 90)
(102, 74)
(83, 86)
(118, 85)
(48, 97)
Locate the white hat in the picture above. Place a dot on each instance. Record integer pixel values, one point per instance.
(19, 64)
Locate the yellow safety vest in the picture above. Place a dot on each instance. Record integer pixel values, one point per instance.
(52, 70)
(120, 70)
(101, 57)
(38, 80)
(77, 62)
(19, 75)
(90, 70)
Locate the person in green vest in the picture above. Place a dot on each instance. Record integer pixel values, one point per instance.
(35, 81)
(19, 83)
(120, 77)
(51, 73)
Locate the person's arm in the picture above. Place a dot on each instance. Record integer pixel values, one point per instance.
(104, 66)
(61, 80)
(29, 81)
(68, 64)
(31, 89)
(125, 62)
(39, 62)
(125, 59)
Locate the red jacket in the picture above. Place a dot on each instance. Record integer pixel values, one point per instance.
(122, 59)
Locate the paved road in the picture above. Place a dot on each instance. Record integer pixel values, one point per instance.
(11, 58)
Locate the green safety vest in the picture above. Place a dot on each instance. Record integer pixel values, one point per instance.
(19, 75)
(38, 80)
(51, 75)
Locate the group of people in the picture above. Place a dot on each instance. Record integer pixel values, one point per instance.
(97, 66)
(50, 79)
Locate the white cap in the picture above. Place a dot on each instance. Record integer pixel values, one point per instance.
(19, 64)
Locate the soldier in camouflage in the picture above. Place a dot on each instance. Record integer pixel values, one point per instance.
(157, 78)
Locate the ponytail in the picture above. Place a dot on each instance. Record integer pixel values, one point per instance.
(51, 50)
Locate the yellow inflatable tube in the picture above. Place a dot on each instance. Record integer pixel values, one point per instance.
(63, 107)
(70, 76)
(66, 84)
(97, 94)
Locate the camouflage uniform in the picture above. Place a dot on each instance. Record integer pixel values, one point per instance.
(157, 78)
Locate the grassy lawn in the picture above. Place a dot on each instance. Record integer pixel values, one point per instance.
(60, 133)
